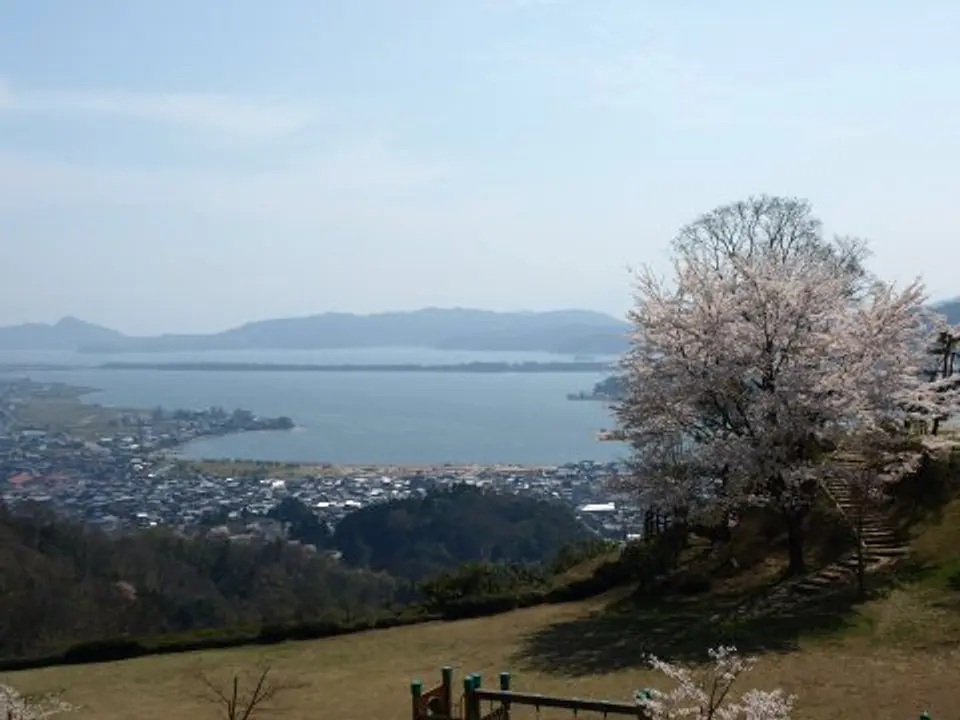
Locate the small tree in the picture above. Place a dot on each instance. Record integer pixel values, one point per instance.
(242, 703)
(763, 352)
(708, 695)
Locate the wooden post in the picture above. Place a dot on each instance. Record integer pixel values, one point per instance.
(505, 686)
(446, 674)
(416, 690)
(469, 700)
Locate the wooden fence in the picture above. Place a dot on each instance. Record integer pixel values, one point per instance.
(437, 703)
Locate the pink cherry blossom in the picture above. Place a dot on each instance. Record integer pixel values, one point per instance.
(708, 694)
(768, 347)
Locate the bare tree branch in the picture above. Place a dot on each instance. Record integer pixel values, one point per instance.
(238, 704)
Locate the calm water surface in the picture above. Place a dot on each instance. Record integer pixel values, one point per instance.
(367, 417)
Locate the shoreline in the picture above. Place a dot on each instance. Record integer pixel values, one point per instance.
(86, 397)
(226, 467)
(58, 402)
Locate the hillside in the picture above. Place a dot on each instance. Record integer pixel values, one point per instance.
(67, 334)
(838, 656)
(420, 537)
(563, 331)
(65, 584)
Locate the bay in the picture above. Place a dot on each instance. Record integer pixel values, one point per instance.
(369, 417)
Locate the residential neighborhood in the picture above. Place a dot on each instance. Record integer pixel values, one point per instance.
(129, 476)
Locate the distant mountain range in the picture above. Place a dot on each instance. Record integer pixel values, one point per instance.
(568, 332)
(565, 332)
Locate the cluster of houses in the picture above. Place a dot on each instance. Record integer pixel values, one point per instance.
(116, 486)
(128, 478)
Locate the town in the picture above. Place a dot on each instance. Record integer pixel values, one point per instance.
(117, 469)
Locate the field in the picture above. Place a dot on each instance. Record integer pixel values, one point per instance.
(891, 659)
(62, 409)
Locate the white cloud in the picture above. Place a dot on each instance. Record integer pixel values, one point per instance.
(234, 114)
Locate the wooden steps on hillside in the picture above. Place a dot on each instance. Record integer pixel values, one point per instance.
(880, 543)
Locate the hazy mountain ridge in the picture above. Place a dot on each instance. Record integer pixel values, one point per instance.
(560, 331)
(69, 333)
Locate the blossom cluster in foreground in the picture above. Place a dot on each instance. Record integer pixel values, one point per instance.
(707, 695)
(14, 706)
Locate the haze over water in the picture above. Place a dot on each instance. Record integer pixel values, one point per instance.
(368, 417)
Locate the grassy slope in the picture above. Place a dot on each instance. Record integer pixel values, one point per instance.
(890, 657)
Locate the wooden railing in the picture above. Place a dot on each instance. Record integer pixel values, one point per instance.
(437, 703)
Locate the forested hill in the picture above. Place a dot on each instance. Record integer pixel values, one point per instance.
(64, 584)
(418, 537)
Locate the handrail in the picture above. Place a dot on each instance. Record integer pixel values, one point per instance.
(846, 517)
(549, 701)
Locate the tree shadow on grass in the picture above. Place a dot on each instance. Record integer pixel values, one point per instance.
(681, 631)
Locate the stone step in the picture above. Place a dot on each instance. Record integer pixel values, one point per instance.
(881, 539)
(852, 506)
(837, 574)
(790, 596)
(887, 552)
(871, 540)
(876, 527)
(810, 587)
(877, 530)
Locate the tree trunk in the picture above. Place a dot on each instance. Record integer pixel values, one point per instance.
(794, 521)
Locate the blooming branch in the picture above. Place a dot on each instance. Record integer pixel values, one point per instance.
(707, 695)
(15, 706)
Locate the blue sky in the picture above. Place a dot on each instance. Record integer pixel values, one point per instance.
(186, 165)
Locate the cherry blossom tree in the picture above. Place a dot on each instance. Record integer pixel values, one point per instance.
(708, 695)
(767, 348)
(942, 396)
(14, 706)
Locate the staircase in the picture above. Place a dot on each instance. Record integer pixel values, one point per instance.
(879, 543)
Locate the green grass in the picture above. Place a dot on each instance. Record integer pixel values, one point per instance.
(587, 649)
(69, 414)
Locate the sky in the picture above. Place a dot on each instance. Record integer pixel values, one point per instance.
(189, 165)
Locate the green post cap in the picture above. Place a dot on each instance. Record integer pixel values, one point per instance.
(924, 715)
(416, 687)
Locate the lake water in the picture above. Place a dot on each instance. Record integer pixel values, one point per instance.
(366, 417)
